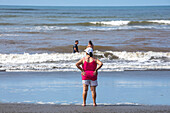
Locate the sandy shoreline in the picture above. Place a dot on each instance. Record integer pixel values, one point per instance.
(39, 108)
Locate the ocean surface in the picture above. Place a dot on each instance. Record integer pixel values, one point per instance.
(40, 38)
(37, 64)
(65, 88)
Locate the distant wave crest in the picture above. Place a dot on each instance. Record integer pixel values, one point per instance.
(120, 22)
(101, 23)
(113, 23)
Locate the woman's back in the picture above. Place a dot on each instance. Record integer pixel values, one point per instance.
(89, 64)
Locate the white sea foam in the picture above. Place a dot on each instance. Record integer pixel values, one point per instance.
(112, 28)
(140, 56)
(128, 103)
(113, 23)
(160, 21)
(41, 102)
(76, 103)
(113, 61)
(8, 35)
(123, 22)
(48, 28)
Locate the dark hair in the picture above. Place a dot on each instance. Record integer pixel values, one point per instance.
(91, 54)
(90, 42)
(76, 41)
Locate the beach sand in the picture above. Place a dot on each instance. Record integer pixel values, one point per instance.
(46, 108)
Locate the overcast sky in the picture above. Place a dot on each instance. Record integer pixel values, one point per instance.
(86, 2)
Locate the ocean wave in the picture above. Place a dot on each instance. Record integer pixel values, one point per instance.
(99, 17)
(113, 61)
(20, 9)
(110, 25)
(42, 29)
(9, 16)
(101, 23)
(7, 24)
(120, 22)
(161, 21)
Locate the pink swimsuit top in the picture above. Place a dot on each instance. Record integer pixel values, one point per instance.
(89, 68)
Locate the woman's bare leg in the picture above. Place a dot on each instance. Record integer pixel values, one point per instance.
(93, 91)
(85, 89)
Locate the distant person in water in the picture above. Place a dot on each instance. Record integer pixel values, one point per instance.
(89, 72)
(75, 47)
(90, 44)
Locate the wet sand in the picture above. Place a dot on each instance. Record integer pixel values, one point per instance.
(46, 108)
(127, 87)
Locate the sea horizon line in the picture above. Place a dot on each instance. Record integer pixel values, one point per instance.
(88, 6)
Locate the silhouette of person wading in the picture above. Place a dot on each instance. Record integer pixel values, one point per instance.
(75, 47)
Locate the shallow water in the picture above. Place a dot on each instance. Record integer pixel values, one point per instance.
(129, 87)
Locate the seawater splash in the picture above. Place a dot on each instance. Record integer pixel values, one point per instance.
(113, 61)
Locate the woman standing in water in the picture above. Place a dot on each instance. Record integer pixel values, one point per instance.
(90, 44)
(89, 73)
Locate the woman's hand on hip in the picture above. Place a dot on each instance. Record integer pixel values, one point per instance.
(95, 73)
(83, 73)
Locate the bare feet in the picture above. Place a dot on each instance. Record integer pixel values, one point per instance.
(94, 104)
(83, 105)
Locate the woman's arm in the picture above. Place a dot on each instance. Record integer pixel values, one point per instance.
(78, 66)
(100, 64)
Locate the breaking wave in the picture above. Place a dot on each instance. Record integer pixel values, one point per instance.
(113, 61)
(101, 23)
(120, 23)
(111, 23)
